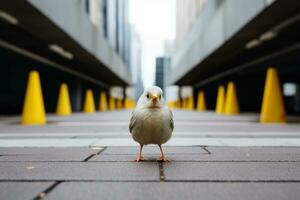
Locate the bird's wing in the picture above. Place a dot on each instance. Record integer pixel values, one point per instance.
(132, 122)
(171, 120)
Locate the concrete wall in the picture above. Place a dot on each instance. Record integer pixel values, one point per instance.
(218, 21)
(186, 14)
(71, 16)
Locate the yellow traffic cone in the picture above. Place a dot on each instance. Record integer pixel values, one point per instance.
(112, 105)
(103, 102)
(119, 104)
(169, 104)
(201, 104)
(231, 102)
(89, 103)
(33, 108)
(190, 103)
(220, 100)
(272, 110)
(176, 104)
(179, 104)
(63, 107)
(184, 103)
(129, 103)
(173, 104)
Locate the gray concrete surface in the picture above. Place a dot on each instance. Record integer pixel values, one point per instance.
(176, 190)
(22, 190)
(70, 158)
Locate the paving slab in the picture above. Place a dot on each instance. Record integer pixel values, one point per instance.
(55, 142)
(46, 154)
(103, 171)
(155, 150)
(231, 128)
(226, 157)
(266, 154)
(255, 150)
(150, 157)
(45, 150)
(45, 158)
(232, 171)
(185, 190)
(22, 190)
(58, 128)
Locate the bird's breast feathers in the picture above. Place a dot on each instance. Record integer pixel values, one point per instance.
(151, 126)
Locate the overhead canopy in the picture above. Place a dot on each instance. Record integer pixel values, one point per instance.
(35, 32)
(236, 54)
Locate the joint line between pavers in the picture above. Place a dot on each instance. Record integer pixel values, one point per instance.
(161, 172)
(47, 191)
(101, 150)
(205, 149)
(91, 156)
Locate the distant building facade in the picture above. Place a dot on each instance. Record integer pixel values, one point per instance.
(135, 61)
(162, 64)
(111, 18)
(186, 14)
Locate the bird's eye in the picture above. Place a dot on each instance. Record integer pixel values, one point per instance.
(159, 96)
(148, 96)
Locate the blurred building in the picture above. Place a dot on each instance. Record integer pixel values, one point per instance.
(135, 61)
(218, 41)
(186, 15)
(115, 25)
(168, 52)
(161, 69)
(83, 43)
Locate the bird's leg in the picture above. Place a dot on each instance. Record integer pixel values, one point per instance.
(162, 158)
(140, 157)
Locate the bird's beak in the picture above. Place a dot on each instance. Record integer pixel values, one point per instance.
(154, 97)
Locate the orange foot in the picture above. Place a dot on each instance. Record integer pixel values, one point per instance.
(163, 159)
(140, 158)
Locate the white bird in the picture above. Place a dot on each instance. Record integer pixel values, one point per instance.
(151, 121)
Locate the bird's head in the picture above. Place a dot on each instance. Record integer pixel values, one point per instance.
(152, 98)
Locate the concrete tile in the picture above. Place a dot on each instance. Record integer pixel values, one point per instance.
(269, 150)
(188, 141)
(119, 158)
(271, 142)
(44, 157)
(22, 190)
(233, 127)
(61, 129)
(252, 154)
(114, 141)
(150, 157)
(45, 150)
(232, 171)
(60, 134)
(46, 142)
(183, 190)
(222, 157)
(79, 171)
(46, 154)
(155, 150)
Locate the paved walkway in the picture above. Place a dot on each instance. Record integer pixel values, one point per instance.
(90, 157)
